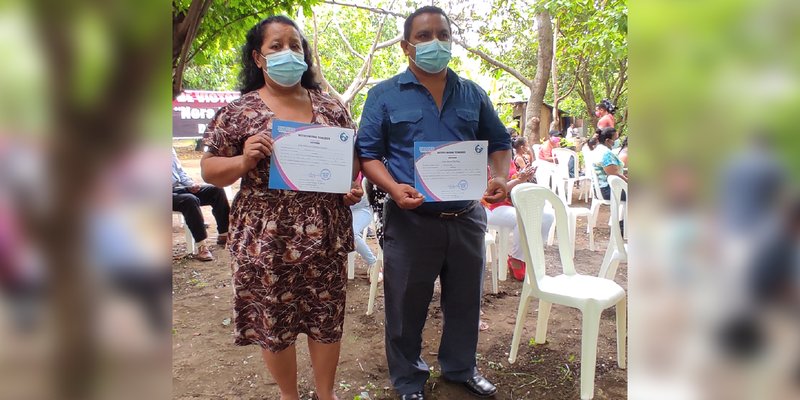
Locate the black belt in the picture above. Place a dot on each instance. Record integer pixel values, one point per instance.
(447, 214)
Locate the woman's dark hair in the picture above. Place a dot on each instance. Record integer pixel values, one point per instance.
(422, 10)
(606, 105)
(252, 77)
(519, 142)
(605, 134)
(592, 143)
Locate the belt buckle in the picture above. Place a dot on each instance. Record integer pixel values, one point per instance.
(448, 215)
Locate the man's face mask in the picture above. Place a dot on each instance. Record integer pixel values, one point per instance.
(286, 67)
(432, 57)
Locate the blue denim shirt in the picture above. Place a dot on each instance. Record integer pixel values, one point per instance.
(400, 111)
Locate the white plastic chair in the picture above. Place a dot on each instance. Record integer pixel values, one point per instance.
(501, 239)
(590, 294)
(544, 172)
(597, 197)
(373, 281)
(535, 148)
(617, 248)
(191, 246)
(376, 269)
(573, 213)
(562, 181)
(490, 244)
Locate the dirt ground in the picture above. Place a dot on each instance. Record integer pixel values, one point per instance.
(206, 364)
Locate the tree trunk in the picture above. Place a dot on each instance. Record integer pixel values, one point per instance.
(184, 30)
(556, 99)
(543, 64)
(587, 95)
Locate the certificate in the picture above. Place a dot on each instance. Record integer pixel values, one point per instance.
(450, 171)
(311, 158)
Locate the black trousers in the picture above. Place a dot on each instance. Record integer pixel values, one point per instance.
(189, 205)
(418, 249)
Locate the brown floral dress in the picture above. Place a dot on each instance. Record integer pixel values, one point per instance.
(288, 249)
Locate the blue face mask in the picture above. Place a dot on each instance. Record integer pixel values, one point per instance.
(286, 67)
(432, 57)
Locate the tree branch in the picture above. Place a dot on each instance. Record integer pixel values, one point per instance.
(389, 42)
(516, 74)
(324, 82)
(346, 42)
(620, 85)
(366, 69)
(213, 35)
(564, 96)
(187, 28)
(377, 10)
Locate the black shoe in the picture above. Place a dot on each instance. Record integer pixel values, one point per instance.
(480, 386)
(414, 396)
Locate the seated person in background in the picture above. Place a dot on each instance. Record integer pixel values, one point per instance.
(523, 156)
(606, 163)
(546, 151)
(187, 197)
(362, 216)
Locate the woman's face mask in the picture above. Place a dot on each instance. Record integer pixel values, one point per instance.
(432, 57)
(285, 67)
(598, 113)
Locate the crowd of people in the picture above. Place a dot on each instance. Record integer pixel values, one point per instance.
(289, 248)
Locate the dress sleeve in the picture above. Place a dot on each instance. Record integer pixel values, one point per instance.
(220, 135)
(342, 116)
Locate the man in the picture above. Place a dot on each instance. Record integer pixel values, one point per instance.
(187, 197)
(429, 102)
(572, 131)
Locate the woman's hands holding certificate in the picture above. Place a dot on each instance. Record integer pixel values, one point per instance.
(256, 148)
(355, 194)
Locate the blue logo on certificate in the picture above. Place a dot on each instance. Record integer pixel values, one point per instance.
(344, 137)
(325, 174)
(478, 148)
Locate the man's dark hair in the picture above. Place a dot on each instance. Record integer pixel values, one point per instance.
(420, 11)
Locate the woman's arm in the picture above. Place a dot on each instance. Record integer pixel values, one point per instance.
(225, 171)
(615, 170)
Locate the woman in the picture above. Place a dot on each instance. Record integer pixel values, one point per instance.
(523, 156)
(622, 154)
(605, 111)
(504, 215)
(546, 151)
(606, 162)
(288, 249)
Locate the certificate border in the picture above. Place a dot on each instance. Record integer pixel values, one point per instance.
(419, 183)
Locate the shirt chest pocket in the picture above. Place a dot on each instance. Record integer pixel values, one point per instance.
(405, 125)
(467, 123)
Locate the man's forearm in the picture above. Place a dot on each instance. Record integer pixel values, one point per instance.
(498, 164)
(376, 172)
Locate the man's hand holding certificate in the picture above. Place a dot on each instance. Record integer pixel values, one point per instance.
(311, 158)
(451, 171)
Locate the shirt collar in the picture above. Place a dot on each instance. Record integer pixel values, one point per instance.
(408, 77)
